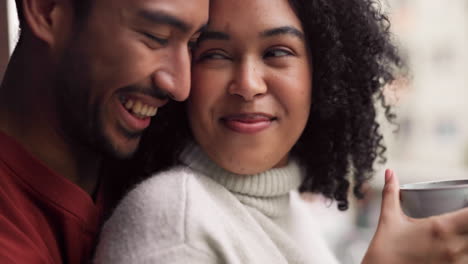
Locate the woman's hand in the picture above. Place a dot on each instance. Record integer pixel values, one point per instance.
(400, 239)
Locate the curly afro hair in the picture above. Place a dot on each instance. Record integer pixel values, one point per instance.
(353, 59)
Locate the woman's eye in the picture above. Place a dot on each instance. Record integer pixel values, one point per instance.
(213, 56)
(277, 53)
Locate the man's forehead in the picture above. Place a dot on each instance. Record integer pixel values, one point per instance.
(190, 13)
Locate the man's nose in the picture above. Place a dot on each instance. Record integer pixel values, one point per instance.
(173, 77)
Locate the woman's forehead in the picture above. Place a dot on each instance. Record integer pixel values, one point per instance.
(250, 15)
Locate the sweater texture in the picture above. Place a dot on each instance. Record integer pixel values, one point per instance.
(201, 213)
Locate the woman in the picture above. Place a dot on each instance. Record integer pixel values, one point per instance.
(282, 99)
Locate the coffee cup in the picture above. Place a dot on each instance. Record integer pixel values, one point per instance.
(424, 199)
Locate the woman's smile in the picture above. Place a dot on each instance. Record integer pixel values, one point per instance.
(248, 123)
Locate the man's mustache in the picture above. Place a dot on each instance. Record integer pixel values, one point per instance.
(149, 91)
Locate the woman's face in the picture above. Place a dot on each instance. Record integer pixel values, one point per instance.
(251, 85)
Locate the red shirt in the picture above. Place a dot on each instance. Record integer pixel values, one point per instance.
(44, 217)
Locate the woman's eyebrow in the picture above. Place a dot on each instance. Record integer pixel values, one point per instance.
(286, 30)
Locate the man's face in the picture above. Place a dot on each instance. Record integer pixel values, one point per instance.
(126, 59)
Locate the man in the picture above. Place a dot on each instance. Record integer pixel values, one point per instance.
(83, 83)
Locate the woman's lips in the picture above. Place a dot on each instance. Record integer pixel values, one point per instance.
(247, 123)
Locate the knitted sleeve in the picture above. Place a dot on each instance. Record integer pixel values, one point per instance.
(148, 226)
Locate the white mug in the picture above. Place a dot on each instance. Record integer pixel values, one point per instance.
(425, 199)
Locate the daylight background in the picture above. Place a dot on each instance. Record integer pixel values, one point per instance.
(432, 142)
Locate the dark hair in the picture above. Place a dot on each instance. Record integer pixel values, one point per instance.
(81, 9)
(353, 59)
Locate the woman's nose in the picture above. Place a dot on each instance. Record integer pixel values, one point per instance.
(248, 82)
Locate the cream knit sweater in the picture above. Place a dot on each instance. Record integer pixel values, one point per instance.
(200, 213)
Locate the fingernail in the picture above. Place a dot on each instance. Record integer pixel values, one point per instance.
(388, 175)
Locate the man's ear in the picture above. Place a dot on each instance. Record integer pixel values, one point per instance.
(45, 18)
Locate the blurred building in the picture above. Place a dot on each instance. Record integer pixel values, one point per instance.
(432, 143)
(432, 140)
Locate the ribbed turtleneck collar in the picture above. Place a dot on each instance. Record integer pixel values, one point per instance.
(267, 191)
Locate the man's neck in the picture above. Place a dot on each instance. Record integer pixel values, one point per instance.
(27, 115)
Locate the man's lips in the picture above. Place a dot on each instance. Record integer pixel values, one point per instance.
(142, 106)
(248, 123)
(137, 109)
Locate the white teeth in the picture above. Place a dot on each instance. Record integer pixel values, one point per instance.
(129, 104)
(140, 109)
(137, 107)
(144, 110)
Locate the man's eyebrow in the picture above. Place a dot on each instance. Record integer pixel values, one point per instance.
(159, 17)
(286, 30)
(213, 35)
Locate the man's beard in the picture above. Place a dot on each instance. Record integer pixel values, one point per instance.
(80, 119)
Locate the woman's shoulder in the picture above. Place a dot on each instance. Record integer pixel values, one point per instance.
(151, 218)
(166, 190)
(167, 198)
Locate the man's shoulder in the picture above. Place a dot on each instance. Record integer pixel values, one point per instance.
(25, 234)
(18, 245)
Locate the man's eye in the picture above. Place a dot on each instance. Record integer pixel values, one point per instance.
(159, 40)
(277, 53)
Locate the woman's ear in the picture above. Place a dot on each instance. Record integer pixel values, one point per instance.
(46, 18)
